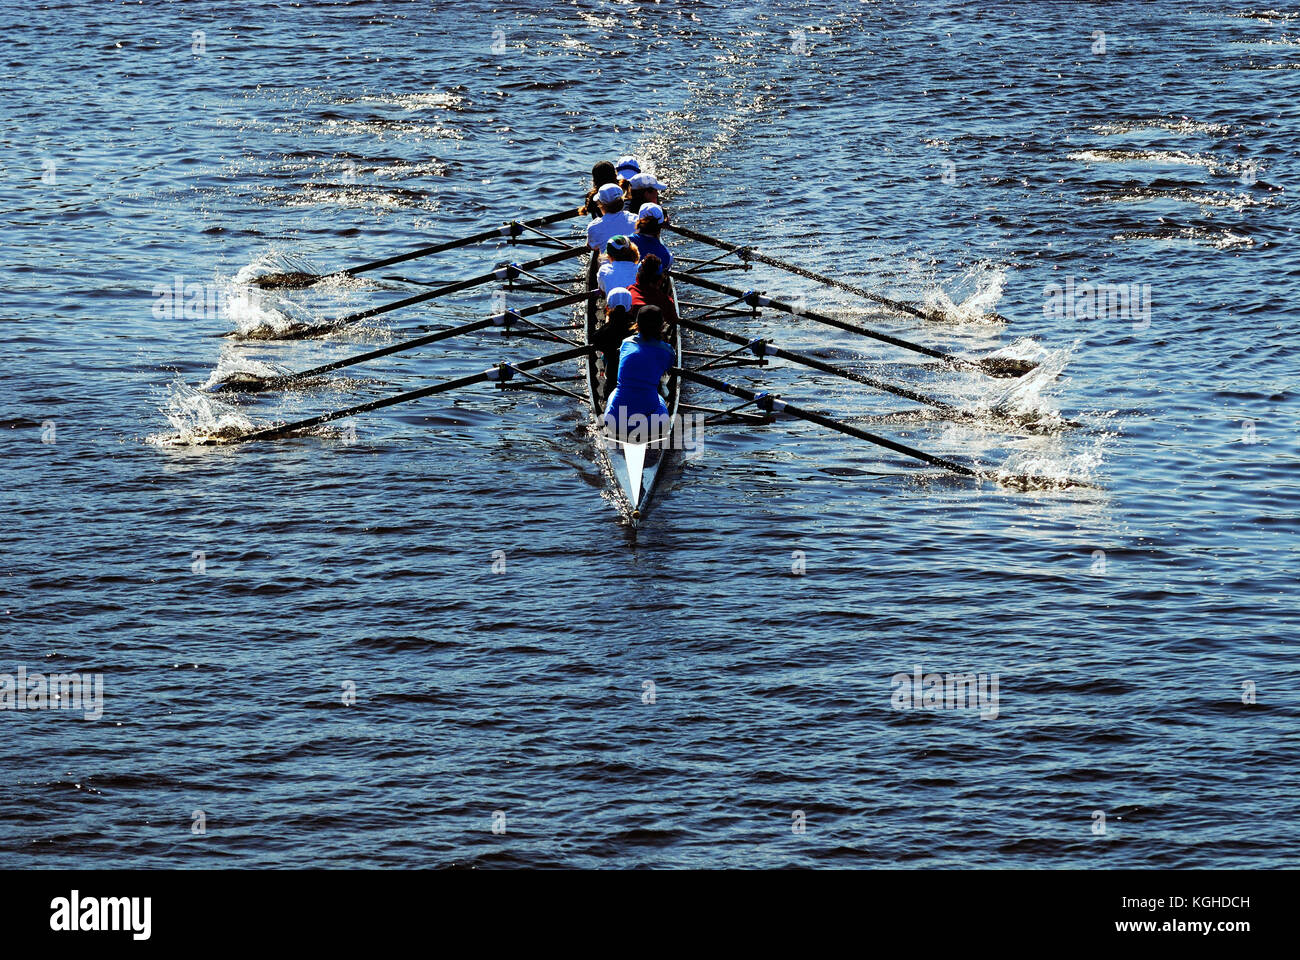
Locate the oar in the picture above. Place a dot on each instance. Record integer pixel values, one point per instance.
(993, 366)
(512, 229)
(500, 373)
(774, 405)
(749, 253)
(499, 320)
(506, 272)
(766, 348)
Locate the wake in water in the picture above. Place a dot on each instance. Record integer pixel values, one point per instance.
(1164, 157)
(1181, 126)
(1217, 238)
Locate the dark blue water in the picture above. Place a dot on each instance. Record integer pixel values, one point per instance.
(690, 697)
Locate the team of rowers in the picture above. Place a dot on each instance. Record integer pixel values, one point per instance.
(627, 218)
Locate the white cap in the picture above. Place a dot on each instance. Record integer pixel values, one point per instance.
(619, 297)
(651, 210)
(643, 180)
(619, 242)
(609, 193)
(627, 164)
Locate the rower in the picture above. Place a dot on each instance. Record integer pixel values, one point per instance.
(613, 221)
(626, 169)
(620, 270)
(649, 222)
(643, 189)
(651, 289)
(609, 335)
(601, 174)
(642, 362)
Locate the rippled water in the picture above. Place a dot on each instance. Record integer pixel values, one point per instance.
(695, 694)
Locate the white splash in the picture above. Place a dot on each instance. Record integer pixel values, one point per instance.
(196, 417)
(1053, 470)
(236, 368)
(273, 261)
(1025, 395)
(988, 281)
(259, 314)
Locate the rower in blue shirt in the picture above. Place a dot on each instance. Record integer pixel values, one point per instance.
(643, 360)
(649, 221)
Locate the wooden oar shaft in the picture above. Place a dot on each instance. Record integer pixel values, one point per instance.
(511, 229)
(501, 273)
(767, 348)
(776, 405)
(752, 254)
(499, 320)
(502, 371)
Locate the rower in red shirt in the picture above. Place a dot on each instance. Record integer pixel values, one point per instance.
(651, 287)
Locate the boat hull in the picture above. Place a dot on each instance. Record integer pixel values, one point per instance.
(635, 468)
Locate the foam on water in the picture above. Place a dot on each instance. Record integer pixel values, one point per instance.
(1218, 239)
(1183, 126)
(1161, 157)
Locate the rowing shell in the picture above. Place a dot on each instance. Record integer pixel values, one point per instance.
(636, 467)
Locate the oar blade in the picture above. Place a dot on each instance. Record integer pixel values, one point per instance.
(1006, 367)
